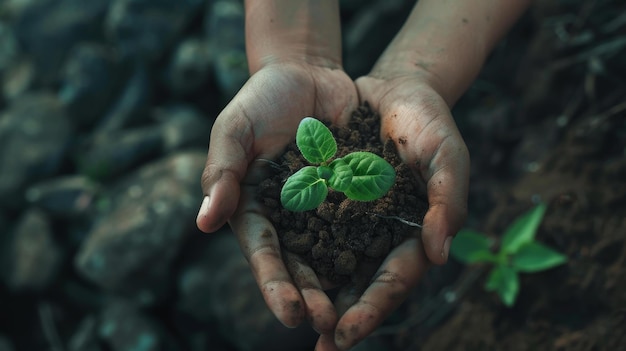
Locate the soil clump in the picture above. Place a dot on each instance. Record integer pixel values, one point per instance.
(341, 234)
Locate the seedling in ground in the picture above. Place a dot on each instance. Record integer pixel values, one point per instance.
(361, 175)
(519, 253)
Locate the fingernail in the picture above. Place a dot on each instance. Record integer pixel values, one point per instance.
(341, 342)
(204, 209)
(446, 248)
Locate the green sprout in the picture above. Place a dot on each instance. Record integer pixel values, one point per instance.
(361, 176)
(519, 253)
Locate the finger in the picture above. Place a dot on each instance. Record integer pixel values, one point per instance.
(326, 342)
(427, 139)
(319, 309)
(447, 185)
(391, 285)
(259, 243)
(348, 295)
(227, 161)
(438, 155)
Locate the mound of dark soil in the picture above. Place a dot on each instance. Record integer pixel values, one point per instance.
(341, 233)
(577, 306)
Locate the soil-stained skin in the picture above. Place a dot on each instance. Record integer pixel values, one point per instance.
(342, 234)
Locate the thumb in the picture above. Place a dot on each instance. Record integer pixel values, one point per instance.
(229, 154)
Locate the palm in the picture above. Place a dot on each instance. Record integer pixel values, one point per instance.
(262, 119)
(412, 111)
(258, 124)
(276, 98)
(432, 146)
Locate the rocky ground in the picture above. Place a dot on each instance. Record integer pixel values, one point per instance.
(105, 111)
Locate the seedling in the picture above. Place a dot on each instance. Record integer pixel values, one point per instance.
(519, 253)
(361, 175)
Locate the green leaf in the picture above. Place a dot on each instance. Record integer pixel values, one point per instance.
(315, 141)
(303, 191)
(342, 175)
(372, 176)
(325, 172)
(504, 281)
(523, 229)
(534, 257)
(469, 246)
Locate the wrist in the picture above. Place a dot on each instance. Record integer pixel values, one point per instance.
(447, 42)
(449, 77)
(301, 31)
(400, 64)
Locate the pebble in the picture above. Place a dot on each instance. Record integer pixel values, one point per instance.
(34, 256)
(34, 137)
(133, 243)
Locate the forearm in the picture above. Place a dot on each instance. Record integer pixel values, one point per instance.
(448, 41)
(293, 30)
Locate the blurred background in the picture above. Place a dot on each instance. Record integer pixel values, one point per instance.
(105, 112)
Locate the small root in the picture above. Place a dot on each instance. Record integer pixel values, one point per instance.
(272, 163)
(402, 220)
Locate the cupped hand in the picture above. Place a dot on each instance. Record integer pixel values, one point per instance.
(258, 124)
(261, 120)
(419, 121)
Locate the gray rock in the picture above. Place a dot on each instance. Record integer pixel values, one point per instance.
(369, 32)
(47, 30)
(146, 29)
(16, 72)
(189, 67)
(85, 338)
(132, 105)
(10, 8)
(231, 72)
(216, 284)
(131, 246)
(225, 24)
(8, 45)
(123, 327)
(218, 257)
(91, 78)
(108, 155)
(33, 257)
(5, 344)
(18, 78)
(183, 126)
(69, 196)
(4, 227)
(111, 154)
(34, 135)
(225, 30)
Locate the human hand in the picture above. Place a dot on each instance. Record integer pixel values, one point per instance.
(411, 111)
(258, 124)
(417, 118)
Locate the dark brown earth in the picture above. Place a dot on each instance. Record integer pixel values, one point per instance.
(578, 306)
(559, 137)
(341, 233)
(545, 120)
(542, 124)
